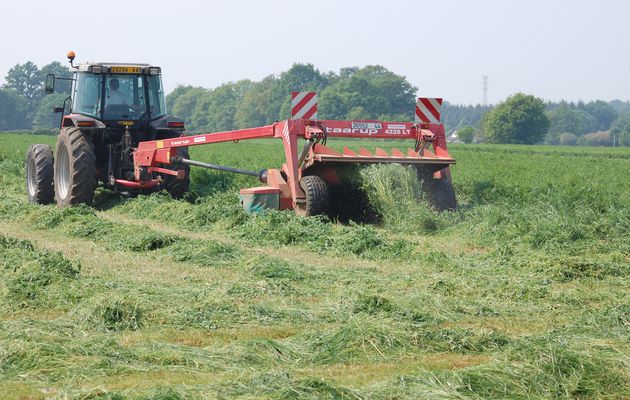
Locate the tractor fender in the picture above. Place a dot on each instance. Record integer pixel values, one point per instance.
(168, 123)
(80, 120)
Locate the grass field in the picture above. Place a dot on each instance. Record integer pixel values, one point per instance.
(522, 293)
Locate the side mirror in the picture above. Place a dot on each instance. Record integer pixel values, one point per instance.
(50, 83)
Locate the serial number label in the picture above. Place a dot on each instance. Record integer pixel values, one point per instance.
(125, 70)
(366, 125)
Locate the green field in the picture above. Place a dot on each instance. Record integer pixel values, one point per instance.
(521, 293)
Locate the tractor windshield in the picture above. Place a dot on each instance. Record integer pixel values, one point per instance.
(125, 96)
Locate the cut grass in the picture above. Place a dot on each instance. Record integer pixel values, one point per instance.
(33, 277)
(521, 293)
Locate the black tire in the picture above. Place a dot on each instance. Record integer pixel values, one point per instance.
(439, 192)
(317, 196)
(39, 174)
(178, 188)
(75, 168)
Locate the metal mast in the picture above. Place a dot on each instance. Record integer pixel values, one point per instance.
(485, 89)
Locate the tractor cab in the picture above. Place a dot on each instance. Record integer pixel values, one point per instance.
(113, 92)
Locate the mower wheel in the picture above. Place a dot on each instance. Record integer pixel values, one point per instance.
(75, 168)
(39, 174)
(317, 196)
(177, 188)
(439, 192)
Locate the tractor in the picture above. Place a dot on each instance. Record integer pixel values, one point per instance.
(112, 108)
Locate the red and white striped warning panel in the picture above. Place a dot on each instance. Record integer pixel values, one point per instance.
(303, 105)
(428, 110)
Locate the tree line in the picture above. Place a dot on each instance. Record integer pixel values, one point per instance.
(353, 93)
(371, 92)
(23, 103)
(529, 120)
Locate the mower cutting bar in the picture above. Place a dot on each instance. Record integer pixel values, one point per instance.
(325, 154)
(382, 160)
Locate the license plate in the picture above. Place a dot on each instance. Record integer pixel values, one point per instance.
(125, 70)
(366, 125)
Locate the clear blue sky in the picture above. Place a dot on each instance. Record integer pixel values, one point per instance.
(555, 49)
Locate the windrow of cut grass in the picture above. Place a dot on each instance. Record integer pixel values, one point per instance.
(35, 278)
(521, 293)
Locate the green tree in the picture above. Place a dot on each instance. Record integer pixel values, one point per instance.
(44, 116)
(357, 113)
(199, 117)
(60, 71)
(13, 109)
(466, 134)
(374, 88)
(621, 107)
(299, 78)
(26, 79)
(258, 105)
(172, 97)
(215, 110)
(573, 120)
(185, 103)
(455, 116)
(620, 130)
(393, 117)
(302, 77)
(395, 94)
(603, 113)
(519, 119)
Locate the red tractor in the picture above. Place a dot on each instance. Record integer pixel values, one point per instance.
(113, 107)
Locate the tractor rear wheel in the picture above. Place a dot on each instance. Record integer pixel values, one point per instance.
(317, 196)
(177, 188)
(39, 174)
(75, 168)
(439, 192)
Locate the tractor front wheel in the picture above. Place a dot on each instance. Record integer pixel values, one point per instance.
(39, 174)
(317, 196)
(75, 168)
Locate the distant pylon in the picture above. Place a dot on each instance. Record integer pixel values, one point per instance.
(485, 90)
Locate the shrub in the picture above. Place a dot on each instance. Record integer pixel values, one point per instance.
(568, 139)
(596, 139)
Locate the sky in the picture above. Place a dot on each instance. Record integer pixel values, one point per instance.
(553, 49)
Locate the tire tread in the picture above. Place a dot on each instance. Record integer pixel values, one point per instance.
(44, 170)
(317, 195)
(82, 167)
